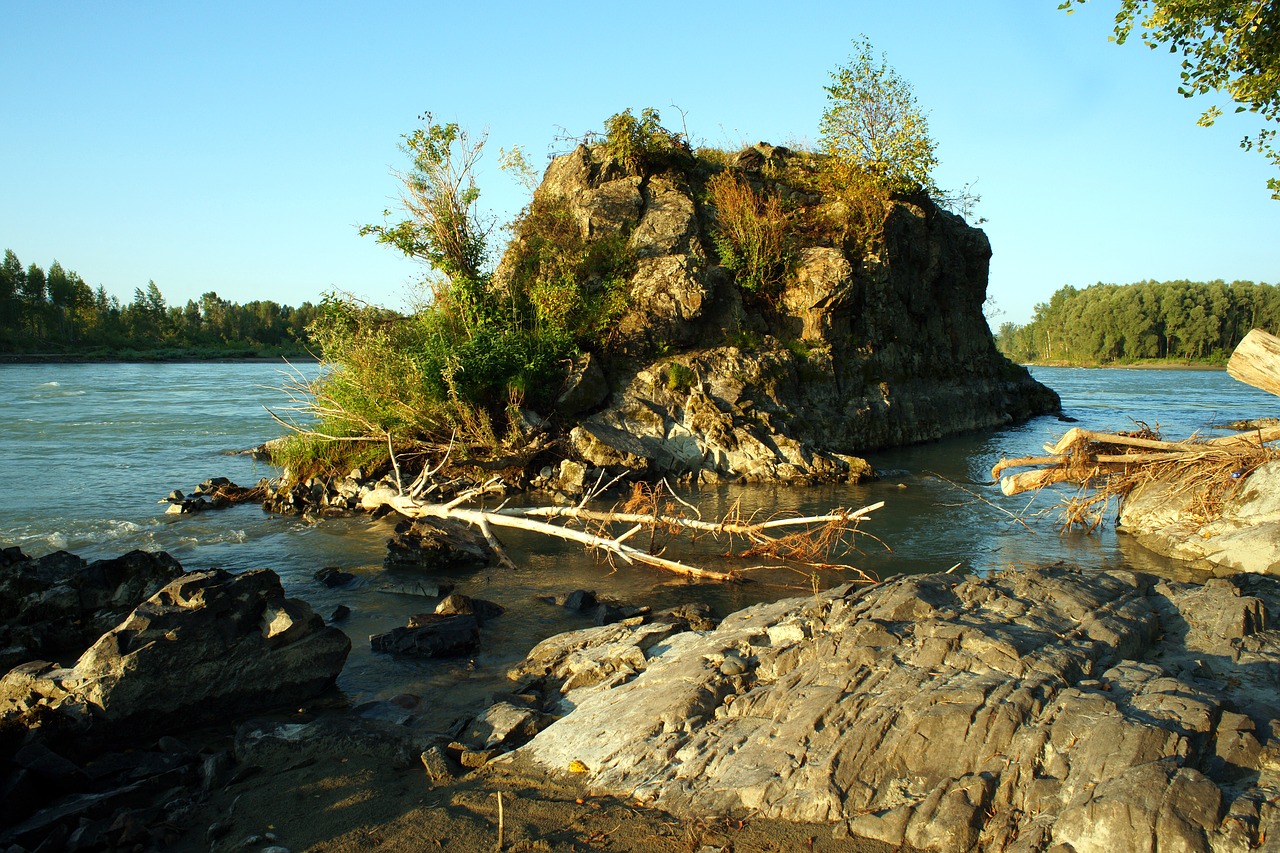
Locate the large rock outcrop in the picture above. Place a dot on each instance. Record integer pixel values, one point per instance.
(1032, 711)
(863, 349)
(207, 646)
(59, 604)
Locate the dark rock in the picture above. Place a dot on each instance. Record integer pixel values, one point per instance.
(236, 640)
(456, 604)
(340, 613)
(333, 577)
(431, 636)
(584, 388)
(436, 545)
(50, 768)
(580, 600)
(59, 604)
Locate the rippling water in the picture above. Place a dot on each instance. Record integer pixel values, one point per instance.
(88, 450)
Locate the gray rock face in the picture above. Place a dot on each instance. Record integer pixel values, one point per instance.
(1045, 710)
(207, 645)
(1244, 538)
(858, 352)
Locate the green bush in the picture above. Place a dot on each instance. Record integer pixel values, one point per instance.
(643, 144)
(751, 234)
(567, 286)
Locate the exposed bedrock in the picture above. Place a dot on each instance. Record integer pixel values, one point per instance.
(1042, 710)
(862, 349)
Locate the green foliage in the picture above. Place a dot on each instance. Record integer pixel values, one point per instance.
(1177, 320)
(566, 285)
(751, 234)
(872, 123)
(58, 312)
(1227, 46)
(680, 378)
(643, 144)
(442, 227)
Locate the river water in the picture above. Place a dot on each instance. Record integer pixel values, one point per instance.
(87, 451)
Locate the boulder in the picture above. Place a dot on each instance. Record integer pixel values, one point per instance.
(1041, 710)
(206, 646)
(436, 545)
(57, 605)
(1167, 516)
(430, 636)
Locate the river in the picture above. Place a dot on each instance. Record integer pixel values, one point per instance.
(87, 452)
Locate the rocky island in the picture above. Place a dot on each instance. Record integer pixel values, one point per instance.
(1055, 709)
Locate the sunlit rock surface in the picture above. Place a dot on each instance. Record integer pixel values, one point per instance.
(865, 348)
(1041, 710)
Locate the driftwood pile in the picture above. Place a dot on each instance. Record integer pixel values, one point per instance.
(1114, 464)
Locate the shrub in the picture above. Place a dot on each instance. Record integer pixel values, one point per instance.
(750, 234)
(569, 286)
(642, 144)
(873, 123)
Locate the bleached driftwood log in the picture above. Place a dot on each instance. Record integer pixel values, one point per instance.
(1256, 361)
(808, 536)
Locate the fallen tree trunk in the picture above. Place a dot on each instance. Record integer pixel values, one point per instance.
(1256, 361)
(822, 533)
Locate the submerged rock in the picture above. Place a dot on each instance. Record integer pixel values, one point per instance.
(430, 635)
(1050, 709)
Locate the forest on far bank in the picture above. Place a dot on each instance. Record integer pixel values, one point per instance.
(1148, 321)
(55, 312)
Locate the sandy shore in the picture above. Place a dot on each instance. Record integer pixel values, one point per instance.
(358, 799)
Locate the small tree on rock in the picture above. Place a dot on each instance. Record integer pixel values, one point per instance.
(873, 123)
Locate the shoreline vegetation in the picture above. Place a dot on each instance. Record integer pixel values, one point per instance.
(1142, 364)
(1174, 323)
(55, 315)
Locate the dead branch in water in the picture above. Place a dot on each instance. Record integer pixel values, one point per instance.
(810, 540)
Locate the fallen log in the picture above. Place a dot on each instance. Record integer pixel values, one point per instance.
(1256, 361)
(824, 532)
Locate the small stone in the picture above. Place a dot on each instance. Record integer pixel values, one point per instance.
(732, 665)
(340, 612)
(437, 764)
(332, 577)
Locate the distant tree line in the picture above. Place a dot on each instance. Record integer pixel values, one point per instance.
(55, 311)
(1109, 323)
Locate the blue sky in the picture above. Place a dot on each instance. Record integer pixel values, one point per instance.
(236, 147)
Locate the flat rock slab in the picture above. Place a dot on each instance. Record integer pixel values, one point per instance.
(1043, 710)
(1167, 516)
